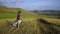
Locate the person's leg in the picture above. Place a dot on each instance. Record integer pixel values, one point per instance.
(18, 23)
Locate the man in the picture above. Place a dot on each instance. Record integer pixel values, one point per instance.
(18, 21)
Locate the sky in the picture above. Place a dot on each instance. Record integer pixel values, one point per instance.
(32, 4)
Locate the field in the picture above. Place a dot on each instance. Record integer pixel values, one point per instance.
(32, 23)
(8, 17)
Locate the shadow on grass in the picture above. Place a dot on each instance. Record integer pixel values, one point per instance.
(50, 27)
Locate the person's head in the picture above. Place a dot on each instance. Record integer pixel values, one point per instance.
(19, 11)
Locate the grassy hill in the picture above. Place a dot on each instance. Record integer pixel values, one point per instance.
(8, 17)
(32, 23)
(11, 13)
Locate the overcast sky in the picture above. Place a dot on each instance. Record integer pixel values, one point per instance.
(33, 4)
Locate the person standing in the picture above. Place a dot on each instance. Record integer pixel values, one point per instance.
(18, 20)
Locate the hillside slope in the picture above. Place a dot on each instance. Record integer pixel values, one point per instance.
(11, 13)
(8, 17)
(30, 24)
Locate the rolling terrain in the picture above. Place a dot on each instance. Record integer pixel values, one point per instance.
(8, 17)
(32, 23)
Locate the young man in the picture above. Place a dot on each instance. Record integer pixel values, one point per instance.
(18, 21)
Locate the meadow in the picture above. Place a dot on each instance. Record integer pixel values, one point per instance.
(32, 23)
(8, 17)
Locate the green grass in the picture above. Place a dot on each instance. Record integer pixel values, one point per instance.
(28, 16)
(30, 25)
(7, 15)
(13, 15)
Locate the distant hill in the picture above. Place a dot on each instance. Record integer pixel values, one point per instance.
(48, 12)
